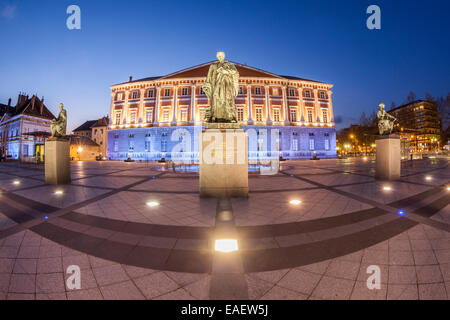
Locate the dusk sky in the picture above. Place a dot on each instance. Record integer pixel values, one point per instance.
(321, 40)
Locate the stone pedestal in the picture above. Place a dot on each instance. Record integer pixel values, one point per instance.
(388, 161)
(223, 161)
(57, 161)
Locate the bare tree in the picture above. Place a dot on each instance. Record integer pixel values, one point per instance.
(411, 97)
(392, 107)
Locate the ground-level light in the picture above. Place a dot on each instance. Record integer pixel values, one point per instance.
(226, 245)
(152, 204)
(295, 202)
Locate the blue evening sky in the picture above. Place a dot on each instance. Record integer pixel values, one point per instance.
(322, 40)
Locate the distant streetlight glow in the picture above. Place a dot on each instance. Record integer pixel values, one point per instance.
(80, 149)
(152, 204)
(226, 245)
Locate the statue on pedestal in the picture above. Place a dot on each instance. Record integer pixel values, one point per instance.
(221, 87)
(59, 125)
(385, 121)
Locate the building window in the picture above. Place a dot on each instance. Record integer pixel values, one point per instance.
(150, 93)
(163, 145)
(167, 92)
(309, 112)
(275, 92)
(293, 112)
(120, 96)
(166, 114)
(130, 145)
(257, 90)
(258, 114)
(202, 112)
(325, 116)
(184, 114)
(327, 144)
(240, 114)
(116, 146)
(133, 117)
(294, 145)
(117, 118)
(322, 95)
(311, 144)
(200, 91)
(147, 146)
(149, 116)
(134, 95)
(276, 114)
(291, 92)
(184, 91)
(307, 93)
(241, 90)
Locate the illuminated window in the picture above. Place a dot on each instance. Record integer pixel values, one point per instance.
(311, 144)
(149, 116)
(322, 95)
(240, 114)
(327, 144)
(167, 92)
(310, 115)
(325, 115)
(147, 145)
(130, 145)
(117, 118)
(276, 114)
(163, 145)
(150, 93)
(291, 92)
(134, 95)
(275, 92)
(184, 114)
(294, 145)
(202, 112)
(258, 114)
(116, 146)
(307, 93)
(120, 96)
(184, 91)
(166, 114)
(293, 114)
(257, 90)
(133, 117)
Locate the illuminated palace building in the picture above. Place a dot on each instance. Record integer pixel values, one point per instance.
(152, 118)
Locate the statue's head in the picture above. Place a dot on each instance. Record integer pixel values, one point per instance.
(381, 105)
(61, 106)
(220, 56)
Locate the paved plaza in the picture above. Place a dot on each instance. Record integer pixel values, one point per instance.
(140, 231)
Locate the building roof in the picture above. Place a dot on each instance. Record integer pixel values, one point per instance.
(202, 71)
(28, 106)
(410, 104)
(102, 122)
(86, 126)
(81, 140)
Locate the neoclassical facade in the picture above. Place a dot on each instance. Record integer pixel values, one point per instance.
(156, 117)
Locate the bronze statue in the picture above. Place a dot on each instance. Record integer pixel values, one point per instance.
(385, 121)
(221, 87)
(59, 125)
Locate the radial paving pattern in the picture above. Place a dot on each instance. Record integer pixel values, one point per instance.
(316, 248)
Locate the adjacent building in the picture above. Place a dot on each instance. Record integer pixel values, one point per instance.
(286, 116)
(24, 129)
(97, 131)
(82, 148)
(419, 121)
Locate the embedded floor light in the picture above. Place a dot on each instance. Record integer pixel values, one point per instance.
(59, 192)
(448, 188)
(428, 178)
(226, 245)
(365, 158)
(16, 182)
(401, 212)
(295, 202)
(152, 204)
(387, 188)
